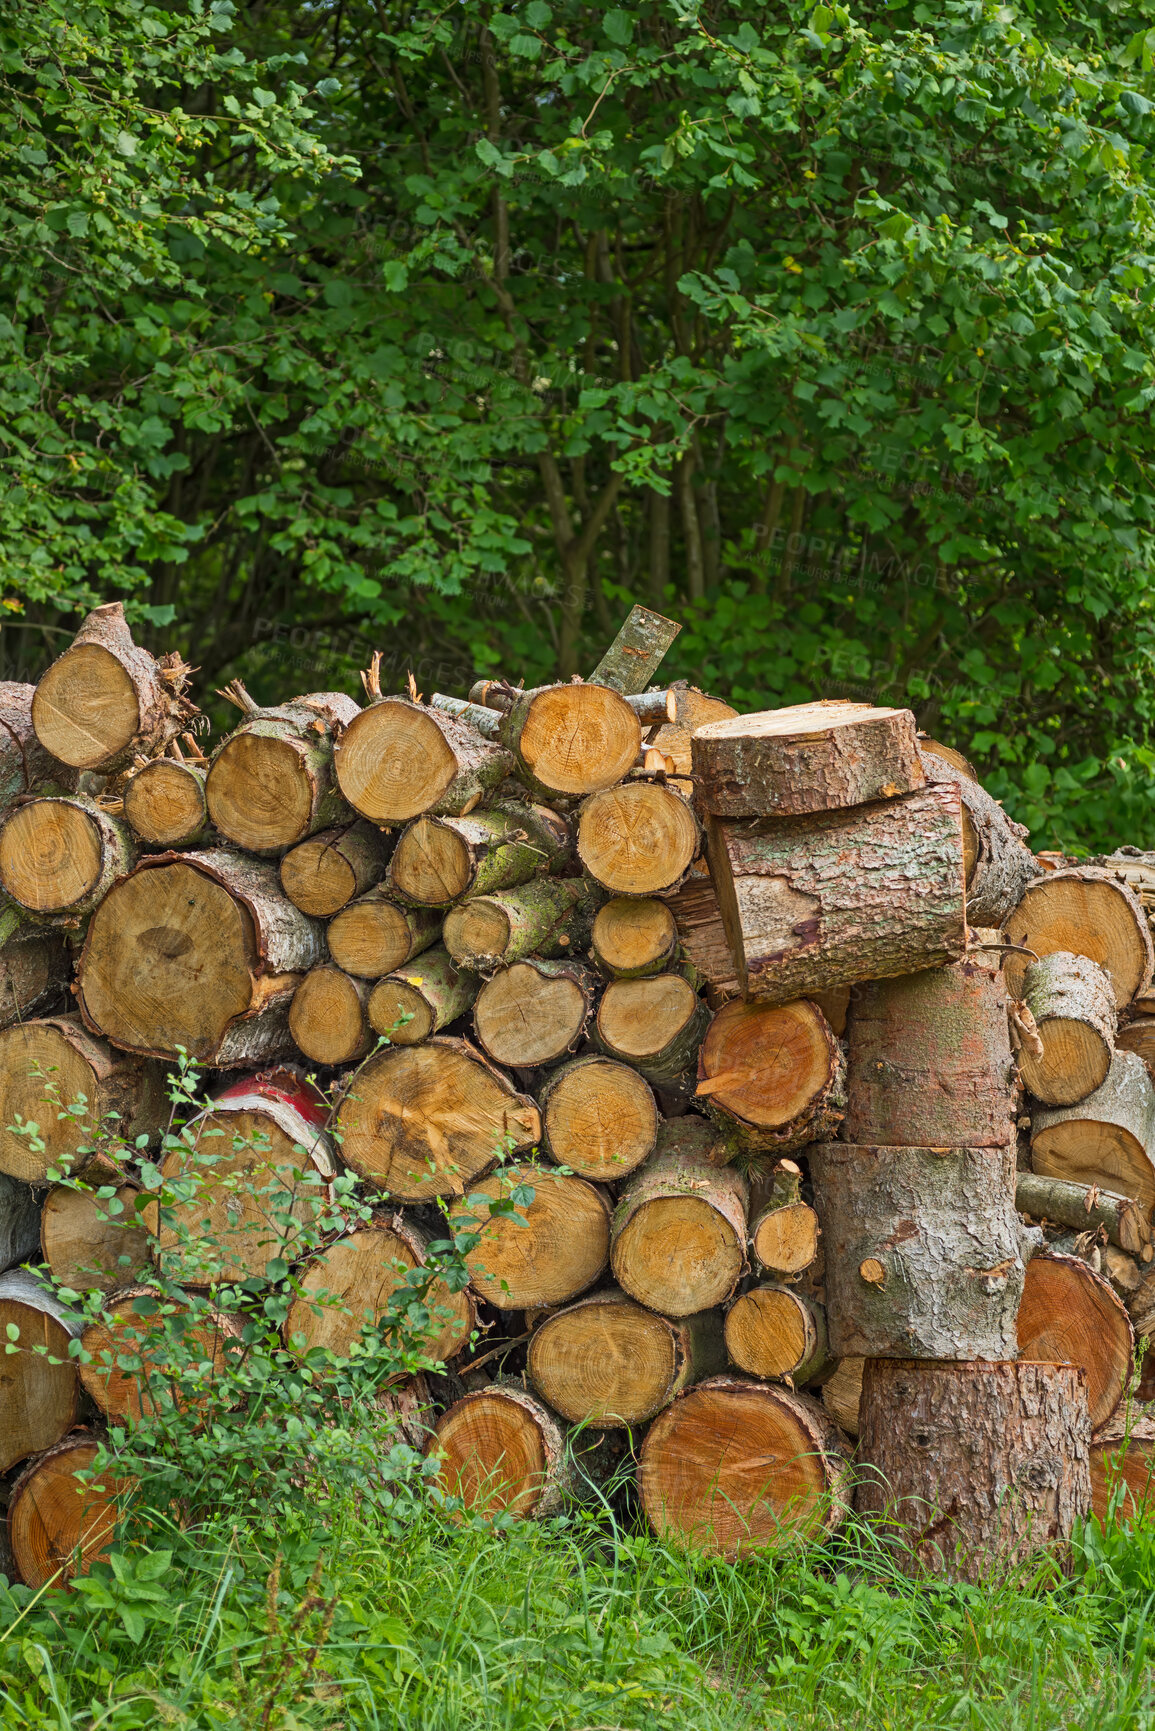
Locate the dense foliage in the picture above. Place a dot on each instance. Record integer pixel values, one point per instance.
(449, 331)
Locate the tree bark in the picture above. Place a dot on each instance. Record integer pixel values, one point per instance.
(550, 916)
(772, 1076)
(271, 783)
(811, 757)
(61, 856)
(397, 760)
(329, 1016)
(39, 1399)
(1107, 1139)
(324, 874)
(634, 656)
(702, 939)
(1069, 1315)
(433, 992)
(34, 966)
(656, 1025)
(599, 1118)
(1072, 1003)
(639, 839)
(376, 935)
(1125, 1222)
(1090, 912)
(679, 1233)
(88, 1246)
(59, 1523)
(440, 859)
(535, 1012)
(556, 1248)
(25, 766)
(774, 1332)
(999, 865)
(633, 939)
(165, 805)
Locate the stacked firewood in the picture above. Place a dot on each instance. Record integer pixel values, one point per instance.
(753, 1005)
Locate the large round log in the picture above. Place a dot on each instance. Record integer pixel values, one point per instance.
(1069, 1315)
(398, 759)
(733, 1466)
(39, 1391)
(809, 757)
(534, 1012)
(501, 1451)
(598, 1117)
(1106, 1139)
(92, 1238)
(271, 782)
(772, 1331)
(374, 935)
(654, 1024)
(60, 856)
(572, 739)
(440, 859)
(633, 938)
(611, 1362)
(164, 803)
(1123, 1470)
(148, 1354)
(550, 916)
(322, 875)
(972, 1468)
(999, 864)
(1072, 1002)
(557, 1246)
(413, 1002)
(1084, 911)
(200, 950)
(772, 1076)
(25, 766)
(61, 1517)
(637, 839)
(329, 1016)
(679, 1233)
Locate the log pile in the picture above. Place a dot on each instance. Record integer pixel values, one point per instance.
(822, 1105)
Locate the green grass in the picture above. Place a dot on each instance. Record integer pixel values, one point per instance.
(565, 1626)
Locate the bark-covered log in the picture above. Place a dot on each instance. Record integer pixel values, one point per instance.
(637, 839)
(423, 1121)
(783, 1228)
(772, 1076)
(972, 1468)
(61, 1517)
(413, 1002)
(599, 1118)
(702, 939)
(39, 1392)
(810, 757)
(374, 935)
(503, 1452)
(929, 1059)
(440, 859)
(34, 966)
(842, 1394)
(25, 766)
(534, 1012)
(550, 916)
(147, 1355)
(1087, 911)
(999, 865)
(733, 1466)
(106, 700)
(329, 1016)
(656, 1025)
(610, 1362)
(555, 1249)
(200, 950)
(165, 805)
(679, 1233)
(94, 1243)
(1127, 1223)
(634, 656)
(1106, 1139)
(923, 1250)
(1070, 1315)
(271, 783)
(691, 709)
(632, 939)
(398, 759)
(324, 874)
(61, 856)
(1072, 1002)
(1123, 1469)
(820, 901)
(772, 1331)
(47, 1068)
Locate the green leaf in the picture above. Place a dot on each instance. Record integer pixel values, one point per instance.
(618, 25)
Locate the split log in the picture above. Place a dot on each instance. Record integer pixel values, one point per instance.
(772, 1076)
(633, 939)
(810, 757)
(550, 916)
(972, 1468)
(93, 1242)
(165, 805)
(923, 1250)
(820, 901)
(608, 1361)
(679, 1233)
(398, 759)
(655, 1025)
(324, 874)
(598, 1117)
(1106, 1139)
(61, 1518)
(329, 1016)
(783, 1228)
(39, 1398)
(34, 966)
(354, 1283)
(732, 1467)
(1123, 1470)
(47, 1068)
(148, 1354)
(1138, 1036)
(61, 856)
(423, 1121)
(556, 1248)
(501, 1451)
(842, 1394)
(1083, 1208)
(25, 766)
(200, 950)
(702, 939)
(374, 935)
(106, 700)
(998, 863)
(1072, 1002)
(534, 1012)
(432, 993)
(440, 859)
(929, 1060)
(637, 651)
(271, 783)
(637, 839)
(1070, 1315)
(774, 1332)
(1086, 911)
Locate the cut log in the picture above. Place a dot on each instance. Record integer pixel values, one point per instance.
(432, 992)
(551, 916)
(634, 656)
(923, 1250)
(783, 1228)
(679, 1233)
(703, 941)
(62, 855)
(164, 803)
(733, 1467)
(534, 1012)
(354, 1282)
(634, 938)
(329, 1016)
(556, 1248)
(637, 839)
(34, 966)
(929, 1060)
(973, 1468)
(39, 1398)
(1107, 1139)
(322, 875)
(94, 1242)
(200, 950)
(842, 1394)
(572, 739)
(501, 1451)
(374, 935)
(398, 759)
(952, 758)
(772, 1076)
(425, 1121)
(25, 766)
(1138, 1036)
(774, 1332)
(440, 859)
(1141, 1307)
(999, 865)
(1072, 1002)
(599, 1118)
(1069, 1315)
(1126, 1222)
(61, 1517)
(148, 1354)
(46, 1069)
(1084, 911)
(655, 1025)
(810, 757)
(608, 1361)
(1123, 1470)
(691, 709)
(271, 783)
(106, 700)
(820, 901)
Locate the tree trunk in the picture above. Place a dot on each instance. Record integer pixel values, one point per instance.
(571, 739)
(1122, 1469)
(783, 1228)
(92, 1242)
(1069, 1315)
(34, 966)
(200, 950)
(634, 656)
(61, 856)
(733, 1467)
(655, 1025)
(810, 757)
(25, 766)
(772, 1076)
(1072, 1003)
(1083, 1209)
(633, 939)
(923, 1250)
(598, 1117)
(271, 783)
(703, 941)
(999, 865)
(39, 1399)
(534, 1012)
(59, 1523)
(165, 804)
(503, 1452)
(810, 903)
(550, 916)
(419, 1122)
(324, 874)
(929, 1059)
(329, 1016)
(607, 1361)
(774, 1332)
(638, 839)
(375, 935)
(556, 1248)
(397, 760)
(1106, 1139)
(440, 859)
(1089, 912)
(842, 1394)
(973, 1468)
(433, 992)
(106, 700)
(679, 1233)
(125, 1336)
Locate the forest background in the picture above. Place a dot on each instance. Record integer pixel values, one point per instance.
(344, 325)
